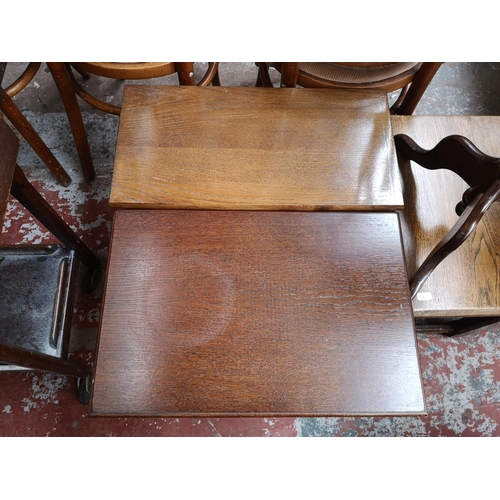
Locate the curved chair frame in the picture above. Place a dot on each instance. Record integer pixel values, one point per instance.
(136, 71)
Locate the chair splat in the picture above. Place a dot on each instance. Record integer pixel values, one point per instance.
(458, 154)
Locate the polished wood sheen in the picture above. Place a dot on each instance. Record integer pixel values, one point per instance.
(224, 148)
(220, 313)
(467, 282)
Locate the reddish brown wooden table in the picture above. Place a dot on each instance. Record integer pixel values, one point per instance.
(256, 313)
(241, 301)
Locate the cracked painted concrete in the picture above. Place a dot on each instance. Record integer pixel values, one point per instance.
(461, 376)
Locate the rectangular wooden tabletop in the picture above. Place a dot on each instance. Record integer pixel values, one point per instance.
(235, 148)
(241, 313)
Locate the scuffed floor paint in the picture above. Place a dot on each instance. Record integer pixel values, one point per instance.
(461, 376)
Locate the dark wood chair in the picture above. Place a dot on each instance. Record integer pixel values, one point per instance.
(450, 221)
(412, 77)
(27, 349)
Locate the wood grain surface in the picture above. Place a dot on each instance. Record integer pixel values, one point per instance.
(256, 313)
(229, 148)
(467, 282)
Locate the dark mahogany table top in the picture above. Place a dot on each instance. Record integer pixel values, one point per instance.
(222, 313)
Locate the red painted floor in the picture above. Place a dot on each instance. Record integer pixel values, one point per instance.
(461, 375)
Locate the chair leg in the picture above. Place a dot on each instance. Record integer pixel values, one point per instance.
(68, 96)
(263, 78)
(456, 326)
(216, 80)
(289, 74)
(185, 70)
(30, 359)
(14, 115)
(29, 197)
(417, 88)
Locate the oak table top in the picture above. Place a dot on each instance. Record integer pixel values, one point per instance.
(254, 313)
(235, 148)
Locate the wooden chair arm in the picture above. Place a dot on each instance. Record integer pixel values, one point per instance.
(479, 170)
(463, 228)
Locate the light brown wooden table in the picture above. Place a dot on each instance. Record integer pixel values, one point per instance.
(225, 148)
(285, 291)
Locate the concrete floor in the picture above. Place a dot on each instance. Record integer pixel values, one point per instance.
(461, 376)
(457, 89)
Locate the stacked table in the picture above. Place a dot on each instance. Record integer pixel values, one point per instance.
(256, 265)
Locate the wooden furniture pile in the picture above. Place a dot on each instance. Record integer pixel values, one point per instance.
(256, 265)
(271, 253)
(69, 88)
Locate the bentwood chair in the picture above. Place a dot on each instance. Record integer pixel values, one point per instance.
(136, 71)
(412, 77)
(70, 87)
(20, 122)
(453, 261)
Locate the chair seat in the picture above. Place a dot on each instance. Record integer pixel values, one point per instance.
(356, 73)
(466, 283)
(127, 71)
